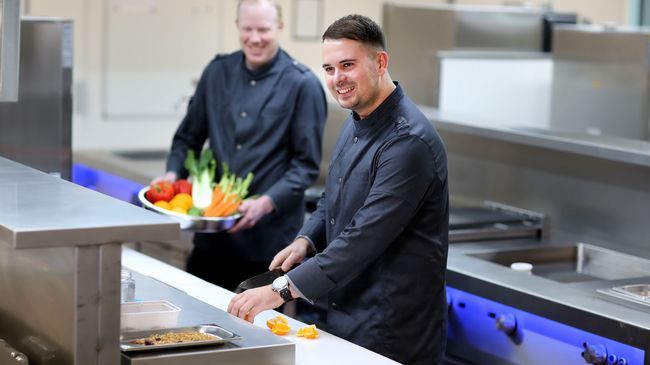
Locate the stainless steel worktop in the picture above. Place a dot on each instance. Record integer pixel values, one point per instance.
(44, 211)
(60, 250)
(256, 346)
(577, 304)
(618, 149)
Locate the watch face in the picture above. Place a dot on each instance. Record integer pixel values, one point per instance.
(280, 283)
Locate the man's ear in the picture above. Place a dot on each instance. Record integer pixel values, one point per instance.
(382, 62)
(280, 25)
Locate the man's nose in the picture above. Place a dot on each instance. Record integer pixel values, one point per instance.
(255, 36)
(339, 76)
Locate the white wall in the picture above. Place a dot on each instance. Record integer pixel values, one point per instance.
(106, 113)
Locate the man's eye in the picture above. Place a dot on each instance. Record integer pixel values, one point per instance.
(347, 64)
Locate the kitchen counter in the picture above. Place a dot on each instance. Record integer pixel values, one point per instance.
(636, 152)
(577, 304)
(326, 350)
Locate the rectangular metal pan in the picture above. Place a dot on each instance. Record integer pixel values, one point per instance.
(220, 336)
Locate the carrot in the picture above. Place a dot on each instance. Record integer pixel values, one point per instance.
(227, 207)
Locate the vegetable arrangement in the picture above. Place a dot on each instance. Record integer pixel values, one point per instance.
(201, 197)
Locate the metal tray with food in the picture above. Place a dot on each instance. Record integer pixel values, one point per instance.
(169, 338)
(188, 222)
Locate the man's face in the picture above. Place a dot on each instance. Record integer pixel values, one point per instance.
(352, 73)
(259, 30)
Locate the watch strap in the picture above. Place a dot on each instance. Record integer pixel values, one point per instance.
(285, 293)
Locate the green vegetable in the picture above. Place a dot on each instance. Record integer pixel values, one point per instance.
(195, 212)
(202, 173)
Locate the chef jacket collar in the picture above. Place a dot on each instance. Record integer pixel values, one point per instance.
(262, 70)
(379, 116)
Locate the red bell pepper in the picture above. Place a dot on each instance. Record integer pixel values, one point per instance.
(182, 186)
(161, 190)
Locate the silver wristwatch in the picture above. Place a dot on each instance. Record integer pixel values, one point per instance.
(281, 286)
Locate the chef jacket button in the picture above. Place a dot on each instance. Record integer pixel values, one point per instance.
(356, 139)
(332, 221)
(253, 82)
(238, 146)
(334, 305)
(243, 114)
(339, 180)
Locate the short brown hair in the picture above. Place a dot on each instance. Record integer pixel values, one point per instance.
(359, 28)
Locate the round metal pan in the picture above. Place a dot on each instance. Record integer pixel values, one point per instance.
(191, 223)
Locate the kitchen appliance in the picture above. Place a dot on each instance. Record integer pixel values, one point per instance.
(492, 221)
(489, 332)
(36, 130)
(11, 356)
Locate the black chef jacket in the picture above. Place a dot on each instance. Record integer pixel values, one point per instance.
(383, 223)
(269, 122)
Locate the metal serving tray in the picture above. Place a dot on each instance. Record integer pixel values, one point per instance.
(191, 223)
(220, 336)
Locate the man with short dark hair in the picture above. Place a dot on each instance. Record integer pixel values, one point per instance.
(381, 228)
(261, 112)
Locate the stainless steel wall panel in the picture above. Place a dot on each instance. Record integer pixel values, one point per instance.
(606, 202)
(601, 81)
(415, 34)
(36, 130)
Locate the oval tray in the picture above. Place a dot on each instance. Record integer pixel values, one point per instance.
(191, 223)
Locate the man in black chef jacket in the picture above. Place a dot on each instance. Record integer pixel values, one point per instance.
(261, 112)
(381, 228)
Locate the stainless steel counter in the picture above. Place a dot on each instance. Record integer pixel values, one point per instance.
(44, 211)
(576, 304)
(60, 257)
(630, 151)
(257, 346)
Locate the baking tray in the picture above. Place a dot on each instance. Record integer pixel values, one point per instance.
(191, 223)
(220, 336)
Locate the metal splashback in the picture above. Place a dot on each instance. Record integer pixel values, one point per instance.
(37, 129)
(9, 55)
(600, 81)
(415, 33)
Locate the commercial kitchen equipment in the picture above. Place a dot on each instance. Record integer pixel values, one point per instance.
(601, 81)
(415, 33)
(36, 130)
(596, 192)
(492, 221)
(60, 250)
(254, 346)
(9, 45)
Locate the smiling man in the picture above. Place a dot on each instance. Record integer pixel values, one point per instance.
(381, 229)
(261, 112)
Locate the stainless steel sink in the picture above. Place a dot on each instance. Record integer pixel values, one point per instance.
(568, 264)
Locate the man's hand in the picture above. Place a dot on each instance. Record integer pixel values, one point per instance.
(253, 210)
(291, 255)
(250, 303)
(169, 176)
